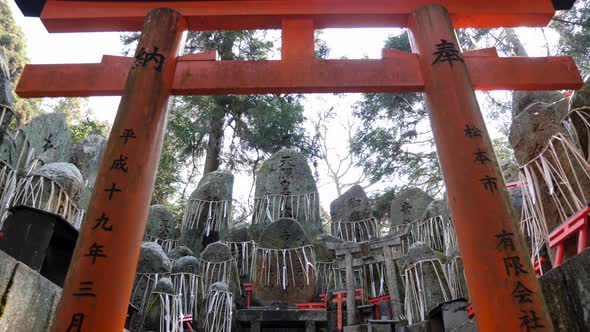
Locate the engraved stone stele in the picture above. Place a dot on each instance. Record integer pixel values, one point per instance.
(48, 135)
(286, 188)
(161, 227)
(208, 211)
(292, 280)
(351, 216)
(87, 155)
(554, 174)
(426, 285)
(407, 206)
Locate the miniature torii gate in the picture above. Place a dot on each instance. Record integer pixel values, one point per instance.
(501, 280)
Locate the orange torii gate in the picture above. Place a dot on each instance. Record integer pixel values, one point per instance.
(501, 280)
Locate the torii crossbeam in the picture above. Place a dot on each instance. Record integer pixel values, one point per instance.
(500, 277)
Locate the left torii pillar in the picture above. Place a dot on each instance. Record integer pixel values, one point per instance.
(100, 279)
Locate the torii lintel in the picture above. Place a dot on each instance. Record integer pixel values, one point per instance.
(396, 72)
(88, 16)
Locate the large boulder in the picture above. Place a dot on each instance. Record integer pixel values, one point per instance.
(532, 129)
(408, 206)
(286, 188)
(65, 174)
(153, 259)
(87, 155)
(186, 264)
(50, 136)
(239, 233)
(581, 98)
(178, 252)
(530, 134)
(523, 99)
(8, 149)
(208, 211)
(287, 237)
(160, 223)
(217, 265)
(580, 103)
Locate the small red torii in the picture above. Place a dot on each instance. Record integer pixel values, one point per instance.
(501, 280)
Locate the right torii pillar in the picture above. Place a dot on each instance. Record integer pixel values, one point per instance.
(502, 283)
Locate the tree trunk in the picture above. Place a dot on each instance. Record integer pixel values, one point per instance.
(514, 42)
(215, 143)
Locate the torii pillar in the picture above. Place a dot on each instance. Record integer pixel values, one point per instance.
(502, 283)
(96, 291)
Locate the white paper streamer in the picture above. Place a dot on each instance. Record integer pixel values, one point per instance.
(217, 213)
(302, 207)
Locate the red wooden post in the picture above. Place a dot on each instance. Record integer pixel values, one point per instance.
(99, 282)
(501, 280)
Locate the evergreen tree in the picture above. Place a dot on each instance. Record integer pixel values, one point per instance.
(12, 41)
(574, 33)
(237, 131)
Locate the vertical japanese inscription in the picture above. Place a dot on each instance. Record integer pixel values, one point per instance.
(144, 57)
(447, 52)
(76, 322)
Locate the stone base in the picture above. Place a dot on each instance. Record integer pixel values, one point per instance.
(468, 326)
(449, 315)
(566, 289)
(29, 300)
(255, 319)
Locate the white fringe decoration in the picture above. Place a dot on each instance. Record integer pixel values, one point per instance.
(282, 263)
(340, 278)
(7, 188)
(374, 274)
(438, 232)
(149, 280)
(5, 108)
(186, 287)
(269, 208)
(26, 159)
(415, 301)
(212, 272)
(169, 312)
(243, 253)
(455, 275)
(218, 215)
(546, 171)
(167, 244)
(47, 195)
(219, 312)
(356, 231)
(582, 114)
(324, 277)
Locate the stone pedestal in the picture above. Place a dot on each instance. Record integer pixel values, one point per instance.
(566, 289)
